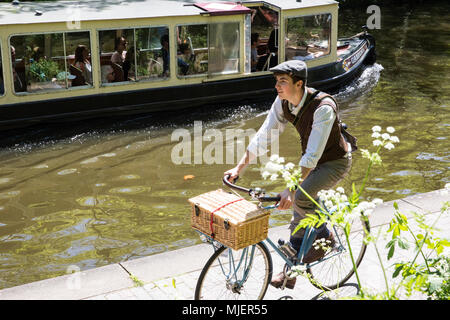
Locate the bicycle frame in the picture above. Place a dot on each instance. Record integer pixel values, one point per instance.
(246, 261)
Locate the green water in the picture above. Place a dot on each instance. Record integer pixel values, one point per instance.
(90, 197)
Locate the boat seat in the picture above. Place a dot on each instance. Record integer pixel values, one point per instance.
(79, 80)
(118, 72)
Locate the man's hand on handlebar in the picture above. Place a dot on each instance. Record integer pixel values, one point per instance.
(233, 174)
(286, 200)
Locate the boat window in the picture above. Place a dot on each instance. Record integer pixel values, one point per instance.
(114, 46)
(192, 51)
(78, 53)
(129, 55)
(264, 38)
(152, 54)
(223, 48)
(2, 84)
(308, 37)
(44, 62)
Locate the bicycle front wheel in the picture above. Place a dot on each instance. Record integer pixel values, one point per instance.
(337, 266)
(232, 275)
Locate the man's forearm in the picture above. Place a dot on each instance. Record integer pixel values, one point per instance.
(246, 159)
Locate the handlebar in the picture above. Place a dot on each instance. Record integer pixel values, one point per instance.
(257, 193)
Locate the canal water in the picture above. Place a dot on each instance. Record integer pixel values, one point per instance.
(89, 194)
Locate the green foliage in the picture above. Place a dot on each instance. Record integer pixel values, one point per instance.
(43, 70)
(137, 282)
(430, 276)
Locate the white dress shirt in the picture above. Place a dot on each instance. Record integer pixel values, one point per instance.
(323, 121)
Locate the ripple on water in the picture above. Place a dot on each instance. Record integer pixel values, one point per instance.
(90, 160)
(67, 171)
(406, 173)
(128, 177)
(9, 194)
(41, 166)
(38, 205)
(130, 190)
(4, 180)
(431, 156)
(96, 159)
(89, 201)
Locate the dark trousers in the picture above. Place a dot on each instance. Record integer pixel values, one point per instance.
(323, 177)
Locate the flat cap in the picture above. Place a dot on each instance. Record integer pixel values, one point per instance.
(295, 67)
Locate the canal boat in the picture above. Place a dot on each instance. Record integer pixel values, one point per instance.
(61, 61)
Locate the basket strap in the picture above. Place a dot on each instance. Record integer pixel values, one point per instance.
(217, 209)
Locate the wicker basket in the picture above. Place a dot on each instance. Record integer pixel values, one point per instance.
(236, 222)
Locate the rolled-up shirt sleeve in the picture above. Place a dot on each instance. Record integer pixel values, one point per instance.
(275, 120)
(323, 121)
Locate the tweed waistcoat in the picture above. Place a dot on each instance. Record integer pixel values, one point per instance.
(336, 146)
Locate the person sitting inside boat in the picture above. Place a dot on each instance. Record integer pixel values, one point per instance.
(257, 60)
(254, 46)
(165, 54)
(128, 66)
(120, 46)
(82, 63)
(184, 58)
(19, 85)
(107, 74)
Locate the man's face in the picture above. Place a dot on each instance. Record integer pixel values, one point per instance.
(286, 88)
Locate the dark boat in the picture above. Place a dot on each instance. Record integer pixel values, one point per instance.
(128, 64)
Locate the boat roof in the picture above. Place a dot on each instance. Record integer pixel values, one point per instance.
(294, 4)
(90, 10)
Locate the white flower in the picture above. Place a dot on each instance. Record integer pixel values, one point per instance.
(389, 146)
(328, 204)
(273, 177)
(376, 135)
(340, 190)
(377, 201)
(365, 153)
(376, 128)
(286, 175)
(376, 158)
(385, 136)
(265, 174)
(289, 166)
(273, 167)
(274, 157)
(377, 143)
(394, 139)
(280, 160)
(390, 129)
(447, 186)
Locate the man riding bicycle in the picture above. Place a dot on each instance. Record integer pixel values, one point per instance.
(326, 154)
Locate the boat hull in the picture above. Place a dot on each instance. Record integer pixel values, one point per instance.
(241, 90)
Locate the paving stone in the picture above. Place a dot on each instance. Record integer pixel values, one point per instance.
(140, 293)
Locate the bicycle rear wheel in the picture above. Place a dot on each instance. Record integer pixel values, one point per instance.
(337, 266)
(231, 275)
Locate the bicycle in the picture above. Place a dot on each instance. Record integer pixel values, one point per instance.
(246, 273)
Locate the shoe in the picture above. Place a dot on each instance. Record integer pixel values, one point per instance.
(277, 282)
(317, 254)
